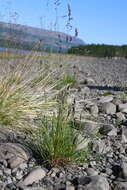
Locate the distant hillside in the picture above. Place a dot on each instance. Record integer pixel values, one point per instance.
(25, 37)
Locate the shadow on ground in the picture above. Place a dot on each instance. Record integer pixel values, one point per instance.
(110, 88)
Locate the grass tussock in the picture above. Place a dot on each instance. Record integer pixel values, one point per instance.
(26, 91)
(56, 141)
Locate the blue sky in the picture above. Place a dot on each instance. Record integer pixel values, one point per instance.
(98, 21)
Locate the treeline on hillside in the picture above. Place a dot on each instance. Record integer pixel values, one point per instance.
(98, 50)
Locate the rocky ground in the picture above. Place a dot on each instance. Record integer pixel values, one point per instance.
(101, 111)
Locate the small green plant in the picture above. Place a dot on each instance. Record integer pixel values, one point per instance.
(107, 93)
(57, 142)
(67, 80)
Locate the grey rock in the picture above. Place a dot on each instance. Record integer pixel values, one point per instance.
(124, 159)
(59, 186)
(85, 91)
(120, 116)
(91, 172)
(2, 185)
(14, 153)
(1, 173)
(19, 174)
(117, 101)
(8, 180)
(90, 127)
(6, 135)
(7, 171)
(54, 172)
(70, 99)
(94, 110)
(31, 164)
(106, 99)
(34, 176)
(82, 142)
(87, 81)
(81, 81)
(122, 108)
(10, 186)
(94, 183)
(34, 188)
(124, 169)
(109, 130)
(124, 134)
(109, 171)
(120, 186)
(15, 162)
(22, 166)
(93, 164)
(100, 146)
(69, 186)
(5, 164)
(14, 171)
(109, 108)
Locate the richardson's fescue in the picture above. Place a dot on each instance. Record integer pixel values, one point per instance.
(56, 141)
(25, 91)
(28, 97)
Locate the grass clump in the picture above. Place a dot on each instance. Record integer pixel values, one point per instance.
(57, 142)
(25, 92)
(67, 80)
